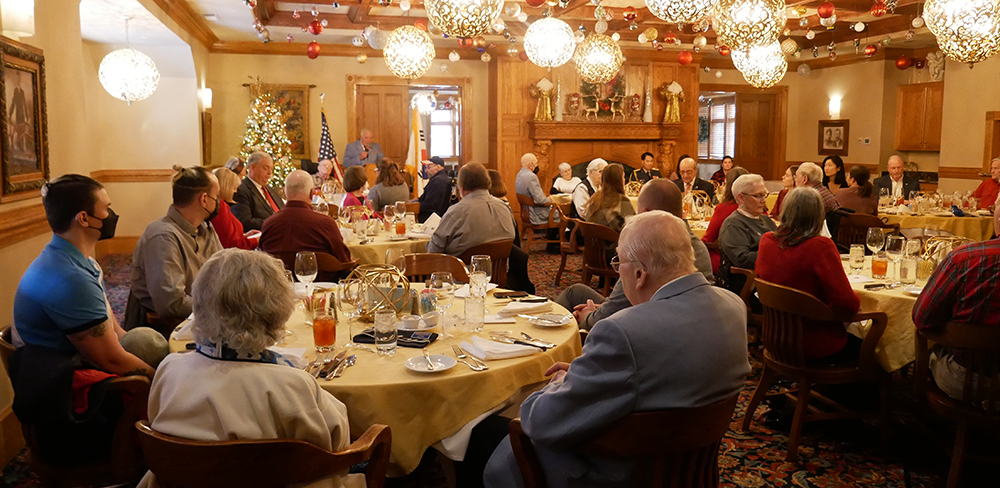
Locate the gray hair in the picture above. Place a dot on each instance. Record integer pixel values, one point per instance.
(257, 156)
(745, 183)
(564, 167)
(812, 172)
(298, 183)
(596, 164)
(527, 159)
(241, 299)
(660, 241)
(802, 213)
(232, 164)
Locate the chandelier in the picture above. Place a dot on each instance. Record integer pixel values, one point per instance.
(128, 74)
(463, 18)
(598, 58)
(680, 11)
(408, 52)
(425, 102)
(762, 66)
(740, 24)
(549, 42)
(968, 31)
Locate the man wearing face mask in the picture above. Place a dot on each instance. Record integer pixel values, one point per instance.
(437, 192)
(172, 250)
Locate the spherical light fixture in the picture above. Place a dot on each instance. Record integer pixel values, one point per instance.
(967, 31)
(741, 24)
(549, 42)
(762, 66)
(408, 52)
(789, 46)
(598, 59)
(680, 11)
(463, 18)
(128, 75)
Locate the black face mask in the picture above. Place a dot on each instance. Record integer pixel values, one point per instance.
(213, 213)
(535, 170)
(108, 225)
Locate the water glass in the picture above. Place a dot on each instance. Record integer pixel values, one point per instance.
(385, 332)
(478, 281)
(359, 226)
(857, 258)
(875, 240)
(894, 249)
(481, 262)
(475, 313)
(411, 219)
(908, 270)
(443, 286)
(880, 266)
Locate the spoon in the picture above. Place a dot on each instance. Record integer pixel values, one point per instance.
(347, 362)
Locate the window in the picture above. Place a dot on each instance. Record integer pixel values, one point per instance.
(444, 133)
(718, 116)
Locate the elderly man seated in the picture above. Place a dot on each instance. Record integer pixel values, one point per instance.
(588, 306)
(739, 237)
(587, 187)
(811, 175)
(476, 219)
(682, 345)
(232, 386)
(689, 180)
(527, 183)
(298, 228)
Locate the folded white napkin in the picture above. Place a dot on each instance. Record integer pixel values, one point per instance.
(431, 224)
(904, 210)
(859, 279)
(514, 308)
(487, 349)
(185, 334)
(295, 355)
(347, 234)
(464, 290)
(497, 319)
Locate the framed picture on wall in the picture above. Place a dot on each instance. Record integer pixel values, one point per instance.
(834, 137)
(293, 101)
(23, 132)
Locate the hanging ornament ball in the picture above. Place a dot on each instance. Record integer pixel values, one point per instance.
(642, 38)
(833, 55)
(265, 36)
(434, 31)
(305, 29)
(723, 50)
(656, 45)
(616, 36)
(707, 69)
(629, 14)
(384, 3)
(361, 58)
(789, 46)
(564, 3)
(479, 42)
(512, 9)
(787, 32)
(357, 41)
(886, 40)
(296, 14)
(312, 50)
(315, 27)
(453, 56)
(323, 22)
(369, 32)
(601, 27)
(804, 21)
(804, 69)
(512, 50)
(859, 27)
(870, 50)
(828, 22)
(608, 15)
(465, 42)
(700, 41)
(377, 39)
(522, 17)
(910, 34)
(579, 36)
(685, 58)
(523, 56)
(633, 26)
(535, 3)
(651, 33)
(486, 57)
(879, 9)
(904, 62)
(404, 5)
(919, 63)
(826, 10)
(314, 11)
(810, 34)
(289, 38)
(551, 3)
(420, 24)
(546, 13)
(815, 51)
(250, 3)
(917, 22)
(336, 4)
(718, 74)
(443, 67)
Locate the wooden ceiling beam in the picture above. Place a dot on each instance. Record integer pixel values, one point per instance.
(339, 21)
(188, 20)
(360, 13)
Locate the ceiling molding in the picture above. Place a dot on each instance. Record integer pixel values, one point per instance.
(132, 175)
(299, 49)
(192, 23)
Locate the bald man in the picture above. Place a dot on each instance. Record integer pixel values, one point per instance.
(298, 228)
(689, 180)
(897, 181)
(362, 151)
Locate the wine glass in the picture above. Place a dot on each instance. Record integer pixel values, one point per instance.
(894, 249)
(389, 213)
(350, 304)
(876, 239)
(328, 190)
(396, 257)
(306, 269)
(883, 198)
(344, 216)
(400, 209)
(481, 262)
(443, 285)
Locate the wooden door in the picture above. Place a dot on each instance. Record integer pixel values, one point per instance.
(756, 120)
(910, 105)
(933, 111)
(384, 109)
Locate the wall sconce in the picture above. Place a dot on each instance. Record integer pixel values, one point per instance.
(18, 18)
(206, 98)
(834, 107)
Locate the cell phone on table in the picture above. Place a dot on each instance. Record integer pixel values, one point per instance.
(510, 294)
(875, 286)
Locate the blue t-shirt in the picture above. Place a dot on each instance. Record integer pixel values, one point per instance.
(60, 294)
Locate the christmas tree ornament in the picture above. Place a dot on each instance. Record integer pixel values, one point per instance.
(815, 51)
(420, 24)
(642, 38)
(810, 34)
(804, 22)
(289, 38)
(910, 34)
(629, 14)
(724, 50)
(535, 3)
(357, 41)
(651, 33)
(601, 27)
(685, 58)
(296, 14)
(323, 22)
(904, 62)
(454, 56)
(361, 58)
(251, 4)
(616, 36)
(314, 11)
(404, 5)
(312, 50)
(878, 8)
(917, 22)
(833, 55)
(789, 46)
(512, 9)
(656, 45)
(486, 57)
(803, 69)
(700, 41)
(512, 50)
(315, 27)
(828, 22)
(522, 17)
(826, 10)
(870, 50)
(443, 67)
(859, 27)
(633, 26)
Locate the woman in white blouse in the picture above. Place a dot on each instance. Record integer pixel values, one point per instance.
(566, 182)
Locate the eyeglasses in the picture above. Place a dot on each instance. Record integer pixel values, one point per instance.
(616, 263)
(758, 196)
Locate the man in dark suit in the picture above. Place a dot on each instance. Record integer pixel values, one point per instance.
(437, 192)
(362, 151)
(255, 200)
(647, 172)
(689, 180)
(899, 184)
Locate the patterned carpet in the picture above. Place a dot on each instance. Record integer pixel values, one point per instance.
(832, 454)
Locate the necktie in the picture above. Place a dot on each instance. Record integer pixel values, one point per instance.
(688, 187)
(267, 195)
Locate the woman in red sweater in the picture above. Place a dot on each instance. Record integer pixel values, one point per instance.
(722, 210)
(229, 229)
(797, 256)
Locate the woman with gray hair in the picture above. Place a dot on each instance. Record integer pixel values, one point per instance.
(797, 256)
(233, 386)
(741, 231)
(565, 182)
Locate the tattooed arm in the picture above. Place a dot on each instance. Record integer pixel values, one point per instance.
(99, 345)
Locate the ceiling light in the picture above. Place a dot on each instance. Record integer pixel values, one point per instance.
(740, 24)
(128, 74)
(968, 31)
(408, 52)
(598, 58)
(549, 42)
(463, 18)
(680, 11)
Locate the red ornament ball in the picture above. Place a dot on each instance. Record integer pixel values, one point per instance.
(535, 3)
(629, 14)
(315, 27)
(724, 51)
(465, 42)
(523, 56)
(826, 10)
(420, 24)
(879, 9)
(685, 57)
(904, 62)
(313, 50)
(870, 50)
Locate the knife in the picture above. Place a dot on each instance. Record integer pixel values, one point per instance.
(344, 364)
(336, 362)
(511, 340)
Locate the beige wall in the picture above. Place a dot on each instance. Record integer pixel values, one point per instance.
(231, 105)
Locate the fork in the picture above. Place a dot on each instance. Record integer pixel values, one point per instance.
(460, 354)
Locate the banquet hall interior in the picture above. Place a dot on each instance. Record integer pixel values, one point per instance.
(126, 91)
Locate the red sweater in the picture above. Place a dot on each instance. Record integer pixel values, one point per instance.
(230, 230)
(722, 211)
(814, 267)
(987, 193)
(298, 228)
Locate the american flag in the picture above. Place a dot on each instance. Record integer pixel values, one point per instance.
(326, 150)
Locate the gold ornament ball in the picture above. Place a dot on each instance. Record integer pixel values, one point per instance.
(651, 33)
(362, 58)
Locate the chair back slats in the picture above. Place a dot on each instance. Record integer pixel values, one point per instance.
(596, 238)
(329, 267)
(853, 228)
(413, 207)
(977, 347)
(785, 312)
(420, 266)
(499, 253)
(525, 202)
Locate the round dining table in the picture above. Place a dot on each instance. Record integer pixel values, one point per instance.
(373, 252)
(423, 408)
(978, 228)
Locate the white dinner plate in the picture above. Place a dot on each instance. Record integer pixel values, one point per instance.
(421, 326)
(396, 237)
(913, 290)
(560, 320)
(300, 288)
(418, 364)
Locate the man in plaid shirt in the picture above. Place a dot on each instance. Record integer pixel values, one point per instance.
(965, 287)
(810, 174)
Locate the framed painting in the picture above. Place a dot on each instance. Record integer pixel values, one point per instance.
(293, 101)
(834, 137)
(23, 131)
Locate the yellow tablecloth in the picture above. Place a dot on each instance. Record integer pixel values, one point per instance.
(561, 198)
(423, 408)
(896, 348)
(975, 228)
(374, 252)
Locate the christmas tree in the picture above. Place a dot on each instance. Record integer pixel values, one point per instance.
(266, 133)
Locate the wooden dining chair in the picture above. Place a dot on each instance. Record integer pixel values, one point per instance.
(125, 464)
(330, 268)
(413, 207)
(264, 463)
(333, 211)
(787, 313)
(528, 229)
(6, 346)
(675, 448)
(853, 228)
(979, 407)
(755, 321)
(499, 253)
(596, 259)
(419, 267)
(567, 243)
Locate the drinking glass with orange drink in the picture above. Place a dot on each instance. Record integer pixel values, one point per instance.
(324, 331)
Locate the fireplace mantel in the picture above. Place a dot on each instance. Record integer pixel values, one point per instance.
(622, 142)
(603, 131)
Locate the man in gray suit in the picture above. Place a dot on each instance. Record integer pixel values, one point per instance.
(682, 345)
(362, 151)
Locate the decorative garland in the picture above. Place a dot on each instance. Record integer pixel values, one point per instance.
(590, 90)
(702, 129)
